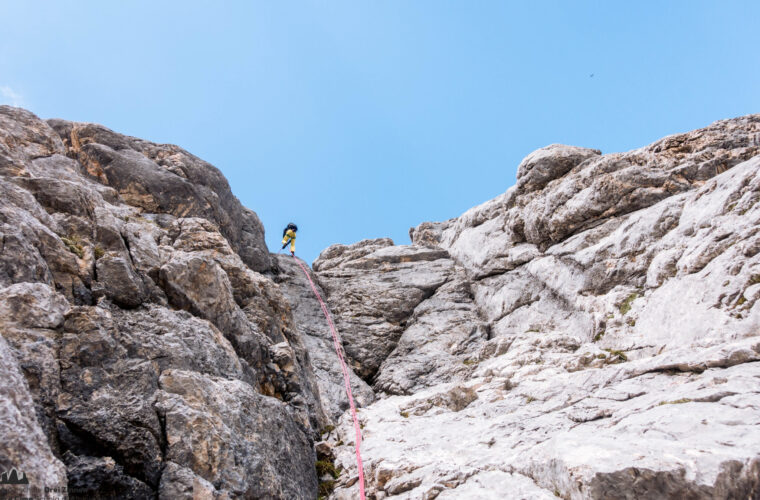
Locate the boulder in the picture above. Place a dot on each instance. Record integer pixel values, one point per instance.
(548, 163)
(33, 305)
(119, 281)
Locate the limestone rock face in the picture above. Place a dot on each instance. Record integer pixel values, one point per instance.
(24, 446)
(409, 301)
(161, 178)
(549, 163)
(146, 353)
(593, 332)
(237, 426)
(318, 341)
(618, 299)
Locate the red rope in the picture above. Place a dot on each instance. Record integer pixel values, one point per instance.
(346, 379)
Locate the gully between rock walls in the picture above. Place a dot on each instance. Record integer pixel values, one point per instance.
(590, 333)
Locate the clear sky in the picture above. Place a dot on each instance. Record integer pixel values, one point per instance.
(358, 119)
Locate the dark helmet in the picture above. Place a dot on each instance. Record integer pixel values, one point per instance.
(292, 226)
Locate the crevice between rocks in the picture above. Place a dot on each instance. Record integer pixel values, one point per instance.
(701, 368)
(87, 445)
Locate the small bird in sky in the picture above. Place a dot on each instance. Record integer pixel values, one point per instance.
(591, 75)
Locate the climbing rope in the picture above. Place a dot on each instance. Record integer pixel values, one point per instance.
(346, 379)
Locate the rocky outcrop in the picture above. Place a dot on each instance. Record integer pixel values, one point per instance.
(594, 332)
(618, 294)
(183, 185)
(405, 312)
(511, 229)
(146, 351)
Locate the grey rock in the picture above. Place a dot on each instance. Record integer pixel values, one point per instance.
(549, 163)
(620, 297)
(29, 315)
(101, 477)
(590, 333)
(240, 450)
(167, 179)
(24, 445)
(32, 252)
(32, 305)
(373, 288)
(181, 483)
(119, 280)
(617, 184)
(201, 287)
(408, 309)
(318, 341)
(36, 350)
(110, 367)
(205, 276)
(96, 246)
(441, 341)
(61, 196)
(24, 137)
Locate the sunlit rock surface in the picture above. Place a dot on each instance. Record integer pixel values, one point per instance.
(619, 296)
(593, 332)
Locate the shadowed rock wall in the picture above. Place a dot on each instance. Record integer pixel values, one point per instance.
(157, 359)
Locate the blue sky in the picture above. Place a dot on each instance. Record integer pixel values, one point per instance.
(359, 119)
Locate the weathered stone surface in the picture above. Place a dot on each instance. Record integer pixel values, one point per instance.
(235, 424)
(97, 246)
(203, 288)
(372, 288)
(318, 341)
(549, 163)
(32, 305)
(487, 239)
(24, 137)
(24, 446)
(181, 483)
(31, 249)
(620, 296)
(494, 485)
(165, 178)
(441, 341)
(30, 313)
(618, 184)
(95, 477)
(591, 333)
(202, 274)
(407, 310)
(119, 280)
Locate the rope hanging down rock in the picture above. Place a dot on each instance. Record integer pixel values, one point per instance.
(346, 379)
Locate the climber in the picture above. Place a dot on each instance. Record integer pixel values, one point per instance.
(289, 236)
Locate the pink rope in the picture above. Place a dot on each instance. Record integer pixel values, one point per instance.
(346, 379)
